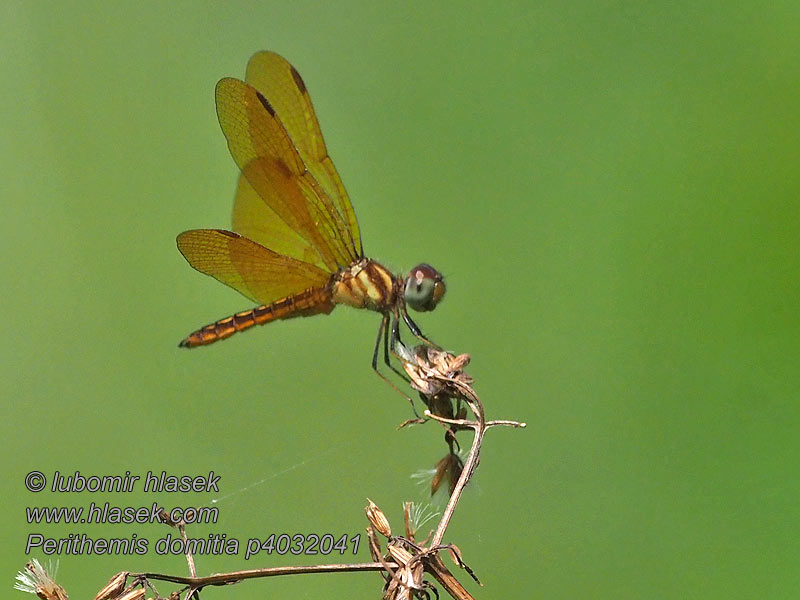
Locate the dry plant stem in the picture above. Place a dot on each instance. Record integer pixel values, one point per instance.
(181, 526)
(504, 423)
(189, 557)
(479, 427)
(193, 592)
(440, 374)
(469, 465)
(435, 566)
(457, 385)
(439, 377)
(198, 583)
(432, 564)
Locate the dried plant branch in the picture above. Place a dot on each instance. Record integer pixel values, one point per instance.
(439, 378)
(445, 388)
(181, 527)
(435, 373)
(235, 576)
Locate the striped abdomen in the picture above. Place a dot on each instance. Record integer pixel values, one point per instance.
(312, 301)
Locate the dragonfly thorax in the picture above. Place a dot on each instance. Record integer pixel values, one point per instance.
(365, 284)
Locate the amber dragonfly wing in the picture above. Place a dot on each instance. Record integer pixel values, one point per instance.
(279, 81)
(248, 267)
(272, 163)
(292, 214)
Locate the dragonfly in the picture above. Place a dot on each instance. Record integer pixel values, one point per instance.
(295, 247)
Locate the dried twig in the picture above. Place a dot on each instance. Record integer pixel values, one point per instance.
(437, 374)
(445, 388)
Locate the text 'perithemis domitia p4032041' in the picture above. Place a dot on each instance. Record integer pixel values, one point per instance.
(295, 247)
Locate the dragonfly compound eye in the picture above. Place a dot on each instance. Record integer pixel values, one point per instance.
(424, 288)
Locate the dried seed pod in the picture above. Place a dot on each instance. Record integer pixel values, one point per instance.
(400, 555)
(134, 594)
(114, 586)
(378, 519)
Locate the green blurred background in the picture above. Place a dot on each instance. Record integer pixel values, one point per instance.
(611, 189)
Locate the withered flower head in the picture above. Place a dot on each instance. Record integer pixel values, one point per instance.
(36, 580)
(378, 519)
(431, 371)
(408, 578)
(416, 515)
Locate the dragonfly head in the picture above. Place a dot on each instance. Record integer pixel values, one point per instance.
(424, 288)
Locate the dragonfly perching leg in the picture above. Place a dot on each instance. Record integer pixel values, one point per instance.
(415, 328)
(399, 349)
(383, 331)
(387, 346)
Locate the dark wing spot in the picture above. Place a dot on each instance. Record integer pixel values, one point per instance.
(283, 167)
(298, 80)
(265, 103)
(230, 234)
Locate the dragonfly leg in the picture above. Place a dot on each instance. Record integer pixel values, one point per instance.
(382, 333)
(386, 346)
(384, 323)
(415, 328)
(399, 349)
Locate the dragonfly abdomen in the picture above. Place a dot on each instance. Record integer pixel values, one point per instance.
(312, 301)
